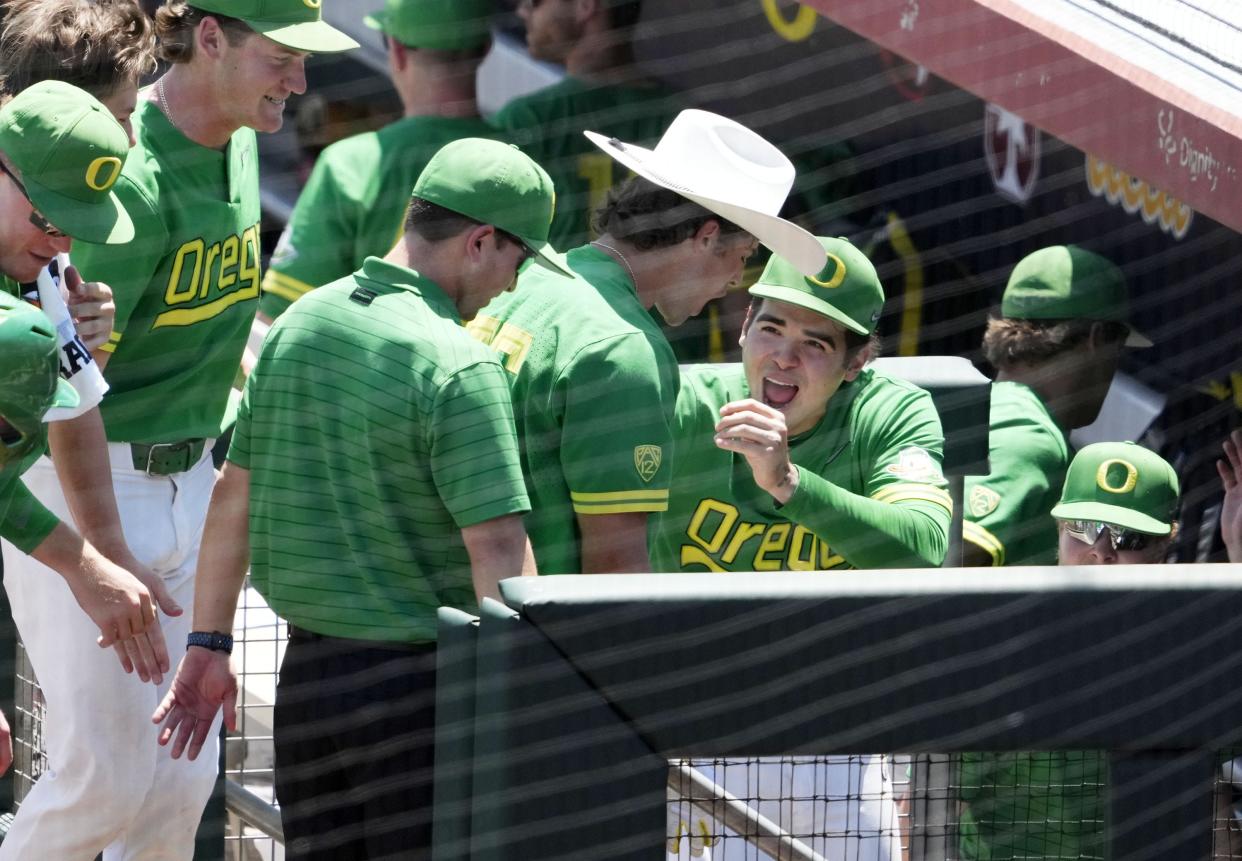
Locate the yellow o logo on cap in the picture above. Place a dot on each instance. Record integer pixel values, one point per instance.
(1101, 477)
(113, 166)
(800, 28)
(837, 276)
(313, 4)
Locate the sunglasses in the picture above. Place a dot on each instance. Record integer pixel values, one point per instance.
(36, 218)
(1088, 532)
(527, 254)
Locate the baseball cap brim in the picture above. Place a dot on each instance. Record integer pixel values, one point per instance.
(1126, 518)
(805, 300)
(783, 237)
(105, 223)
(548, 257)
(316, 37)
(65, 395)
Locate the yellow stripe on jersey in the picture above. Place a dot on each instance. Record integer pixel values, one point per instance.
(980, 537)
(285, 286)
(925, 492)
(114, 341)
(620, 502)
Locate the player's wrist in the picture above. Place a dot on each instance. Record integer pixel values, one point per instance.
(212, 641)
(782, 490)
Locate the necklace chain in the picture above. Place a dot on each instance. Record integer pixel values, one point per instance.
(628, 267)
(159, 87)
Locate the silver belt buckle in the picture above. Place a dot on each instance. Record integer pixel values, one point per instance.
(151, 453)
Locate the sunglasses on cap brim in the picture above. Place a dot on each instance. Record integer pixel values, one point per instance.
(36, 218)
(1089, 531)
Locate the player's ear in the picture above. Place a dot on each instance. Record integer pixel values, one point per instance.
(858, 360)
(478, 242)
(209, 37)
(751, 311)
(707, 235)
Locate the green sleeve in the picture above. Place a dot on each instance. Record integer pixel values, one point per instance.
(128, 269)
(616, 437)
(239, 443)
(317, 246)
(867, 532)
(25, 522)
(473, 445)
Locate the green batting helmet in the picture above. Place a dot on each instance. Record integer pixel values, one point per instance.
(30, 380)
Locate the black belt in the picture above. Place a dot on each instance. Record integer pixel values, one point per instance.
(166, 458)
(302, 635)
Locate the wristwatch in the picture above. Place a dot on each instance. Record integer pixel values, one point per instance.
(214, 640)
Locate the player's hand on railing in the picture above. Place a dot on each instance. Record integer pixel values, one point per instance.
(1230, 470)
(93, 310)
(205, 681)
(692, 837)
(758, 432)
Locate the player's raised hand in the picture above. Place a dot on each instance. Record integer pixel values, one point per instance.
(758, 432)
(1230, 470)
(205, 681)
(91, 305)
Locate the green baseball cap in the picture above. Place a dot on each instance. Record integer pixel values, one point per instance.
(296, 24)
(30, 381)
(1065, 282)
(438, 25)
(847, 289)
(1121, 483)
(495, 183)
(69, 150)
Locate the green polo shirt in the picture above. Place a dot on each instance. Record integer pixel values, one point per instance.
(1008, 512)
(548, 124)
(870, 491)
(186, 289)
(594, 389)
(354, 204)
(375, 429)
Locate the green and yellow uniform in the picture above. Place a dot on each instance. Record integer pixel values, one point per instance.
(594, 387)
(548, 124)
(354, 203)
(187, 289)
(1008, 511)
(880, 439)
(374, 429)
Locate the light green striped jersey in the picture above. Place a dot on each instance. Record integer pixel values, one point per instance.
(1008, 512)
(354, 204)
(594, 388)
(880, 439)
(374, 429)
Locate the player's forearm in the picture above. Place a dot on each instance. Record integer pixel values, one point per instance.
(866, 532)
(614, 543)
(225, 553)
(498, 549)
(79, 451)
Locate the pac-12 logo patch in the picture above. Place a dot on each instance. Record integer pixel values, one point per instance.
(983, 501)
(914, 464)
(647, 459)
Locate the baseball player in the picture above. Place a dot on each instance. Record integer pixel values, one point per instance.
(352, 206)
(594, 379)
(804, 459)
(186, 292)
(1055, 347)
(1230, 469)
(1118, 506)
(601, 90)
(412, 449)
(42, 40)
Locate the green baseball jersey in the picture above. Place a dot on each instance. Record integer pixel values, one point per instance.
(594, 388)
(186, 289)
(548, 125)
(353, 205)
(1008, 511)
(24, 521)
(1038, 805)
(374, 429)
(870, 492)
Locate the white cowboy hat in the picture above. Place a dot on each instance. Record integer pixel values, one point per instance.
(726, 168)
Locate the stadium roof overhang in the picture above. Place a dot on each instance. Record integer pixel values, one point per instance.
(1151, 86)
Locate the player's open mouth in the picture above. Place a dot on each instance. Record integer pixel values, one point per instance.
(280, 103)
(778, 394)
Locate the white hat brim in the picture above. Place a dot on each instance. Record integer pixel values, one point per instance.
(782, 236)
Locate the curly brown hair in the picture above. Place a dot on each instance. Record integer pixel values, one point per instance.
(98, 45)
(174, 30)
(1008, 342)
(649, 216)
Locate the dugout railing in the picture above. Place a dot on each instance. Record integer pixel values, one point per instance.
(560, 709)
